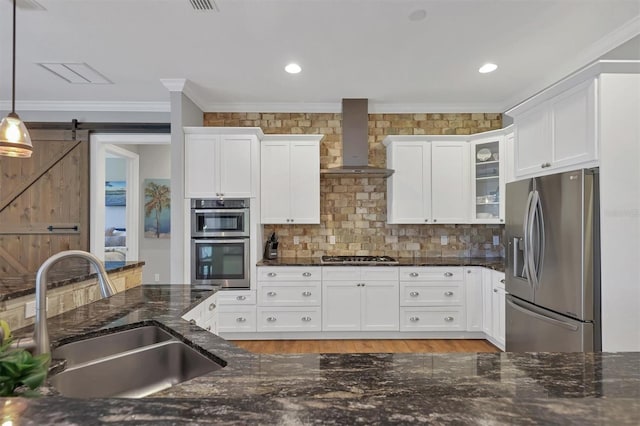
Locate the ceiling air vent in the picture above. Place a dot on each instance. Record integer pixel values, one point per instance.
(28, 5)
(204, 5)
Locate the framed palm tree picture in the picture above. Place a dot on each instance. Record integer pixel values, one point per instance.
(157, 204)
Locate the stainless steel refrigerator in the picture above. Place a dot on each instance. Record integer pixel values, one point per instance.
(553, 263)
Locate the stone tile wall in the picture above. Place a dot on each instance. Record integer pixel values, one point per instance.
(354, 209)
(66, 298)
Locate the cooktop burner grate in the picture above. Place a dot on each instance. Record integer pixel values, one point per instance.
(360, 260)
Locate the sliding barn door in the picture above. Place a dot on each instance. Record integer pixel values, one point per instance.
(44, 201)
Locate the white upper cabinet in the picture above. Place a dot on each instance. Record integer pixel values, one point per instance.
(558, 134)
(487, 183)
(409, 188)
(290, 179)
(220, 162)
(450, 182)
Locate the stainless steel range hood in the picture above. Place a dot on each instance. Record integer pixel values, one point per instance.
(355, 143)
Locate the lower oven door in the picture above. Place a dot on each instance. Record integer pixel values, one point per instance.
(222, 262)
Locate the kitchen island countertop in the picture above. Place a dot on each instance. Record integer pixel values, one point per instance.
(496, 263)
(477, 388)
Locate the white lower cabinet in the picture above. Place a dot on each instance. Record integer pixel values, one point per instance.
(432, 299)
(498, 308)
(289, 299)
(360, 299)
(474, 298)
(236, 311)
(289, 319)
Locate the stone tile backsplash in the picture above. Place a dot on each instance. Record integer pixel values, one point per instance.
(353, 210)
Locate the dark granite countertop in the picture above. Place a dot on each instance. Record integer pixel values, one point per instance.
(484, 388)
(65, 272)
(487, 262)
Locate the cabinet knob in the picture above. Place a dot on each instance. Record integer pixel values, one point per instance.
(501, 220)
(271, 293)
(448, 274)
(306, 319)
(208, 328)
(306, 293)
(469, 271)
(241, 319)
(495, 290)
(448, 319)
(413, 274)
(271, 319)
(212, 306)
(426, 220)
(306, 274)
(291, 220)
(414, 319)
(271, 274)
(502, 281)
(241, 297)
(545, 165)
(192, 322)
(414, 294)
(448, 293)
(435, 220)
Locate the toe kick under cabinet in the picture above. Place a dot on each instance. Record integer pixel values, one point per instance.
(289, 299)
(432, 299)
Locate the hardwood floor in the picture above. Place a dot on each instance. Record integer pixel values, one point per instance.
(364, 346)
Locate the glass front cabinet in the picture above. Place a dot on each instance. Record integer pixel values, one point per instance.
(488, 183)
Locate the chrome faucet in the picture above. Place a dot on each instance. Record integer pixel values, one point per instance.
(39, 343)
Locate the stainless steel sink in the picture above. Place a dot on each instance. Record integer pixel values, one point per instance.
(129, 364)
(102, 346)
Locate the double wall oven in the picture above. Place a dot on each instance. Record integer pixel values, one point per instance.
(220, 242)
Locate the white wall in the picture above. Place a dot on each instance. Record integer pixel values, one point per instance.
(155, 162)
(184, 112)
(620, 211)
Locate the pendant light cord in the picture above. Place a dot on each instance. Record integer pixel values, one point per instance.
(13, 76)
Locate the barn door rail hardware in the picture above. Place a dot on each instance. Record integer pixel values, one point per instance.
(52, 228)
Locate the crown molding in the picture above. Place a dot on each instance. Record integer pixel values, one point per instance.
(374, 108)
(186, 87)
(174, 84)
(581, 60)
(88, 106)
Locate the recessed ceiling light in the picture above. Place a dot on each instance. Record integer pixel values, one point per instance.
(489, 67)
(293, 68)
(418, 15)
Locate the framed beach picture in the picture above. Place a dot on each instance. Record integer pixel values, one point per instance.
(115, 193)
(157, 204)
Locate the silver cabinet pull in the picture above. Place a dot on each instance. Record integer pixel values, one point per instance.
(495, 290)
(502, 281)
(306, 274)
(413, 274)
(212, 306)
(208, 328)
(469, 271)
(306, 293)
(448, 274)
(426, 220)
(241, 319)
(271, 293)
(435, 220)
(271, 274)
(271, 319)
(448, 319)
(192, 322)
(414, 319)
(545, 165)
(306, 319)
(448, 293)
(241, 297)
(414, 294)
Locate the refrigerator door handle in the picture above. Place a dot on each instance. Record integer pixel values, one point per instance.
(540, 237)
(541, 317)
(527, 240)
(529, 254)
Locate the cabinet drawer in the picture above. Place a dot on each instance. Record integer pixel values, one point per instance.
(289, 273)
(289, 319)
(360, 273)
(431, 273)
(289, 294)
(236, 297)
(432, 319)
(236, 319)
(435, 294)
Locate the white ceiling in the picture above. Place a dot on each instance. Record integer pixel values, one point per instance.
(234, 58)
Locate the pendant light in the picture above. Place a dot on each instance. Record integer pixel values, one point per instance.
(14, 137)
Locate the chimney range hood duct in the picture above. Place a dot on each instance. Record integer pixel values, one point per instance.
(355, 143)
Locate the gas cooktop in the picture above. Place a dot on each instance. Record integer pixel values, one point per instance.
(359, 260)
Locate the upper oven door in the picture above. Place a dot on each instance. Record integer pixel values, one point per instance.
(219, 223)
